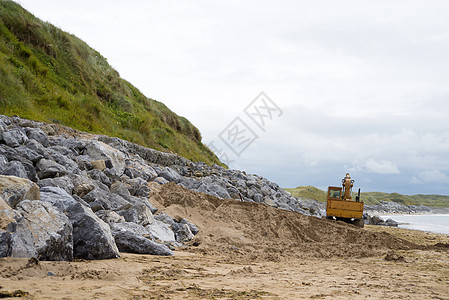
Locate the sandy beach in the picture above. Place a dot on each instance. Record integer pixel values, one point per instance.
(251, 251)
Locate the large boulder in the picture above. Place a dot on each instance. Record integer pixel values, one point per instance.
(29, 154)
(184, 230)
(38, 135)
(96, 174)
(15, 137)
(183, 233)
(92, 238)
(7, 225)
(171, 175)
(49, 169)
(14, 168)
(138, 213)
(51, 230)
(14, 189)
(101, 199)
(98, 150)
(136, 167)
(63, 182)
(58, 198)
(128, 241)
(161, 231)
(138, 187)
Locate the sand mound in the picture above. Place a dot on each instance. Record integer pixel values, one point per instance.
(251, 231)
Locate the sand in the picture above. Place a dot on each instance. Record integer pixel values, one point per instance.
(251, 251)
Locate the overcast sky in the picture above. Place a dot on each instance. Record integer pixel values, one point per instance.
(357, 86)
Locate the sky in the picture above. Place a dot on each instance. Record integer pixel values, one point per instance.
(299, 92)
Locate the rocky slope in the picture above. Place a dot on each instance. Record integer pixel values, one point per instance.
(68, 194)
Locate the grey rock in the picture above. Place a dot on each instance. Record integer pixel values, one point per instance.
(110, 216)
(101, 198)
(128, 241)
(14, 137)
(75, 145)
(37, 148)
(3, 162)
(21, 242)
(14, 189)
(193, 228)
(161, 180)
(29, 154)
(9, 153)
(64, 159)
(171, 175)
(121, 189)
(58, 198)
(138, 213)
(92, 238)
(391, 222)
(49, 169)
(112, 174)
(83, 162)
(100, 176)
(83, 189)
(50, 228)
(161, 231)
(5, 241)
(220, 191)
(163, 217)
(138, 187)
(258, 198)
(376, 220)
(183, 233)
(136, 167)
(63, 182)
(133, 227)
(38, 135)
(15, 168)
(30, 172)
(99, 150)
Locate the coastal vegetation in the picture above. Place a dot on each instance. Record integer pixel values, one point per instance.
(375, 197)
(49, 75)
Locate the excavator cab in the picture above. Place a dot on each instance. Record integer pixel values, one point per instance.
(341, 206)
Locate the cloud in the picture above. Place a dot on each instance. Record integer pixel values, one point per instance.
(382, 167)
(433, 176)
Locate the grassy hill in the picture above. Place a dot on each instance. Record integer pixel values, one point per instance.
(49, 75)
(374, 197)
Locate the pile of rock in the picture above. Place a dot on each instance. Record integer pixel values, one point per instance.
(64, 195)
(72, 194)
(376, 220)
(215, 180)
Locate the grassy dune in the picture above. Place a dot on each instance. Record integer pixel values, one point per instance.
(374, 197)
(49, 75)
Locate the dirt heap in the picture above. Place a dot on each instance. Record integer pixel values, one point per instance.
(249, 231)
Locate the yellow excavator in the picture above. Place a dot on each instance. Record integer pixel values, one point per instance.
(341, 206)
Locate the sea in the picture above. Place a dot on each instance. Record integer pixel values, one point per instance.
(433, 223)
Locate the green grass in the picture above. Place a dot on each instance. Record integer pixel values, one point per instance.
(308, 192)
(374, 197)
(49, 75)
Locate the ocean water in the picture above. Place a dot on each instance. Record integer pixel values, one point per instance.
(432, 223)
